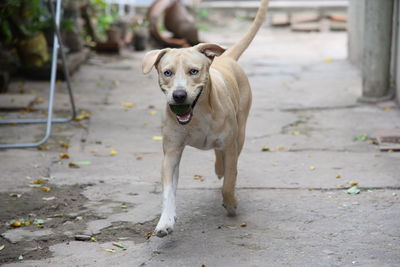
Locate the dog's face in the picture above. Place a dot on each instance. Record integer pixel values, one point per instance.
(183, 75)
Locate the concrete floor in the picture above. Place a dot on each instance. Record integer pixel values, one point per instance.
(296, 212)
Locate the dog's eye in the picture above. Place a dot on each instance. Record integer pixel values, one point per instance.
(168, 73)
(193, 72)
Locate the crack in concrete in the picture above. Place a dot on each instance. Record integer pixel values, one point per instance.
(296, 188)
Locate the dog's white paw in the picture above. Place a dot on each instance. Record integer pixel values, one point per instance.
(165, 226)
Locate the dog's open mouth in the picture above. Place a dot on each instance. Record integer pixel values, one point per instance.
(185, 118)
(184, 112)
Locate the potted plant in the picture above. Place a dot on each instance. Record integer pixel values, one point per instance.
(22, 23)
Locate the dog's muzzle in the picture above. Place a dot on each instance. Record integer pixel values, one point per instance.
(184, 112)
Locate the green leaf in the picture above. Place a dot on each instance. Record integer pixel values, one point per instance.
(354, 190)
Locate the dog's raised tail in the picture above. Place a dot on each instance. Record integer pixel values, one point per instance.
(237, 49)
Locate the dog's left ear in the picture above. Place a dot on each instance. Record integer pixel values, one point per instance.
(151, 58)
(210, 50)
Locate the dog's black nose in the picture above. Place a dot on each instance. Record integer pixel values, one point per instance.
(179, 96)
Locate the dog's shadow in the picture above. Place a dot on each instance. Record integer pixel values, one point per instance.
(201, 220)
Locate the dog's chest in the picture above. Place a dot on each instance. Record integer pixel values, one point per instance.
(205, 136)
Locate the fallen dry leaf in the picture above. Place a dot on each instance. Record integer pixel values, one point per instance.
(110, 250)
(274, 164)
(280, 148)
(151, 106)
(63, 156)
(45, 188)
(352, 183)
(243, 224)
(38, 181)
(83, 115)
(311, 168)
(64, 145)
(265, 148)
(338, 176)
(113, 152)
(387, 108)
(15, 223)
(73, 165)
(139, 157)
(128, 105)
(149, 234)
(39, 100)
(198, 177)
(2, 247)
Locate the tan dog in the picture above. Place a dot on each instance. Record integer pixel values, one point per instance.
(208, 101)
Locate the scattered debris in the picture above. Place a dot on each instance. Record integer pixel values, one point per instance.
(73, 165)
(328, 60)
(153, 112)
(93, 239)
(123, 206)
(15, 195)
(20, 257)
(198, 177)
(110, 250)
(128, 105)
(118, 245)
(63, 156)
(149, 234)
(280, 148)
(45, 188)
(83, 115)
(362, 137)
(157, 138)
(338, 176)
(311, 168)
(85, 162)
(82, 237)
(354, 190)
(352, 183)
(48, 198)
(38, 181)
(243, 224)
(265, 148)
(274, 164)
(64, 145)
(2, 247)
(139, 157)
(38, 222)
(113, 152)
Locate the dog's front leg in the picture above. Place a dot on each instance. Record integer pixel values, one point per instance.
(230, 157)
(170, 174)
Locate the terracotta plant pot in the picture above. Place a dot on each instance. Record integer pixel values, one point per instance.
(114, 34)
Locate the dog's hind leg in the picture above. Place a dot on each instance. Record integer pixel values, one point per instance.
(230, 174)
(219, 163)
(170, 174)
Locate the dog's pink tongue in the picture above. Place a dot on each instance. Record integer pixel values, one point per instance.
(184, 117)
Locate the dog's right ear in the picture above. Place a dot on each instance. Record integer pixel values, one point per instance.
(151, 59)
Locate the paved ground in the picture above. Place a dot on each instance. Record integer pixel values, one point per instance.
(294, 208)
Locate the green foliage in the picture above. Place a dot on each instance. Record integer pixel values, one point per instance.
(21, 19)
